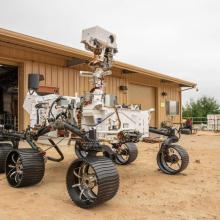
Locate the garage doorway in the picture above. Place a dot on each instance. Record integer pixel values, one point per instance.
(9, 96)
(144, 96)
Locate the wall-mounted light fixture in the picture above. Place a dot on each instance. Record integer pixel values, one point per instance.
(164, 94)
(123, 88)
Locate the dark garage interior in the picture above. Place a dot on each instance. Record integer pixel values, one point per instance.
(9, 96)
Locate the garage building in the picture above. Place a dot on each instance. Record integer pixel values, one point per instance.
(21, 54)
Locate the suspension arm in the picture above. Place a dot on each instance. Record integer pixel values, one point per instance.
(172, 138)
(43, 131)
(75, 130)
(164, 133)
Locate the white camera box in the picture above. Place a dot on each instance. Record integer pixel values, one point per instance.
(99, 34)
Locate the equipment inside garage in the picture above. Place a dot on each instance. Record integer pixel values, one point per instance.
(9, 96)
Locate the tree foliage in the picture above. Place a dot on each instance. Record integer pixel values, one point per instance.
(201, 107)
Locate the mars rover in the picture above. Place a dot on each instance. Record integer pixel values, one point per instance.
(105, 133)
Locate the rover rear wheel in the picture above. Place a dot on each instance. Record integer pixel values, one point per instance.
(126, 153)
(173, 159)
(5, 148)
(24, 167)
(92, 181)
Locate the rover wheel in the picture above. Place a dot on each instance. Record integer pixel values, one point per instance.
(92, 181)
(24, 167)
(126, 153)
(5, 148)
(173, 160)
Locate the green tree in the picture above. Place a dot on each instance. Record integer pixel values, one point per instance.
(201, 107)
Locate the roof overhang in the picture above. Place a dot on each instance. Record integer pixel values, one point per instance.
(77, 56)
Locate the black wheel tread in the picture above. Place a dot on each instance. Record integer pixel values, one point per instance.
(133, 153)
(33, 167)
(107, 180)
(5, 148)
(184, 157)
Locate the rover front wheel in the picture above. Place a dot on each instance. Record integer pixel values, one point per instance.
(92, 181)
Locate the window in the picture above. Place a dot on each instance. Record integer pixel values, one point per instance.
(172, 108)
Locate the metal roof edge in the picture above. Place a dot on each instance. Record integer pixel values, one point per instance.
(37, 43)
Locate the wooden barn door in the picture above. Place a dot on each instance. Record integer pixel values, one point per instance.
(145, 96)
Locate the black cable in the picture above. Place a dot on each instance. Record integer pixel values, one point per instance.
(51, 107)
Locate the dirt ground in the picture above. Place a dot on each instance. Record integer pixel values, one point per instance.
(144, 193)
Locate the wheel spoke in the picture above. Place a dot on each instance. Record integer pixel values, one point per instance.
(9, 173)
(76, 185)
(13, 159)
(18, 160)
(76, 174)
(19, 177)
(11, 166)
(13, 173)
(171, 164)
(93, 178)
(81, 193)
(16, 177)
(91, 194)
(85, 168)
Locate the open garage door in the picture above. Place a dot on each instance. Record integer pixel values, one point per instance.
(145, 96)
(9, 96)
